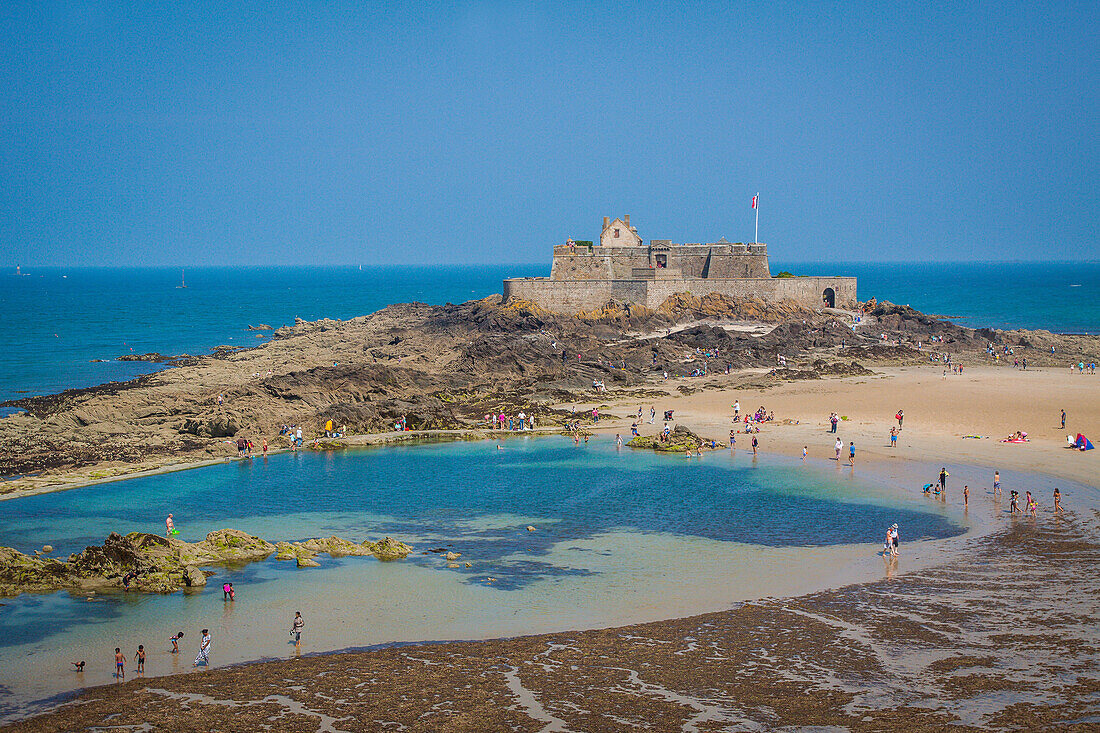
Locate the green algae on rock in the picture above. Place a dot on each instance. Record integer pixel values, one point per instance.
(153, 564)
(679, 440)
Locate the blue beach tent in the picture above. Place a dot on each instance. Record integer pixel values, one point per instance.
(1083, 442)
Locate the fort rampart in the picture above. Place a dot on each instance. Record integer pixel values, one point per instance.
(576, 295)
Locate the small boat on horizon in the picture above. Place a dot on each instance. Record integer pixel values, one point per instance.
(183, 283)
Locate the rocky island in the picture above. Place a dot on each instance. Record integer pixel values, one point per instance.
(444, 368)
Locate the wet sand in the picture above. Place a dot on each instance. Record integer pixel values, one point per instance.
(1003, 637)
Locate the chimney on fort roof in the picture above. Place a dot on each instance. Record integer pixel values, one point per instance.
(606, 222)
(626, 220)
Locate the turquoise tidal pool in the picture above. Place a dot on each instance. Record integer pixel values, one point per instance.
(619, 536)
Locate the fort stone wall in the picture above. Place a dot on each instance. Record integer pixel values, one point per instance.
(573, 296)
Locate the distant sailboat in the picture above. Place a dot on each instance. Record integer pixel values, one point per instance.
(183, 283)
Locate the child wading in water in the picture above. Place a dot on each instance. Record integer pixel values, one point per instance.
(140, 659)
(176, 642)
(1057, 501)
(120, 663)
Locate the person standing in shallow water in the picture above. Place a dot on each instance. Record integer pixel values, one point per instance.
(943, 479)
(296, 629)
(755, 443)
(852, 453)
(966, 495)
(204, 649)
(1057, 501)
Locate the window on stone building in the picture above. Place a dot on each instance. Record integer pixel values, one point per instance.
(616, 234)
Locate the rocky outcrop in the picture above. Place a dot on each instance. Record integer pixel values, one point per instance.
(304, 552)
(680, 440)
(820, 369)
(232, 545)
(213, 427)
(150, 563)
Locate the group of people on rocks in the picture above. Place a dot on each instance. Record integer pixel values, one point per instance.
(519, 421)
(294, 432)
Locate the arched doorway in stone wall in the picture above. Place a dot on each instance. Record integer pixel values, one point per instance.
(829, 298)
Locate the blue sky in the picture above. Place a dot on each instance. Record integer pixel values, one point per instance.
(326, 133)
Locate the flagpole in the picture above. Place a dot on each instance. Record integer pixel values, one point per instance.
(756, 235)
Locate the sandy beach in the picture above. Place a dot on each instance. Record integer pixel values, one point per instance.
(992, 402)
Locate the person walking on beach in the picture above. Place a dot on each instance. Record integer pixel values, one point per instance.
(943, 480)
(1063, 419)
(755, 443)
(296, 629)
(833, 420)
(204, 649)
(895, 541)
(1058, 501)
(900, 416)
(120, 664)
(966, 495)
(733, 438)
(805, 449)
(140, 659)
(1029, 504)
(837, 446)
(736, 408)
(893, 437)
(996, 483)
(265, 446)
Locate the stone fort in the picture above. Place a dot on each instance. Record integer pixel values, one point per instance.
(585, 275)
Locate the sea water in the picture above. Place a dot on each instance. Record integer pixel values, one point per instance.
(57, 321)
(619, 536)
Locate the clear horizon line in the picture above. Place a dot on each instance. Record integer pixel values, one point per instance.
(542, 263)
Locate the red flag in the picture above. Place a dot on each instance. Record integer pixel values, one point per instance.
(754, 202)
